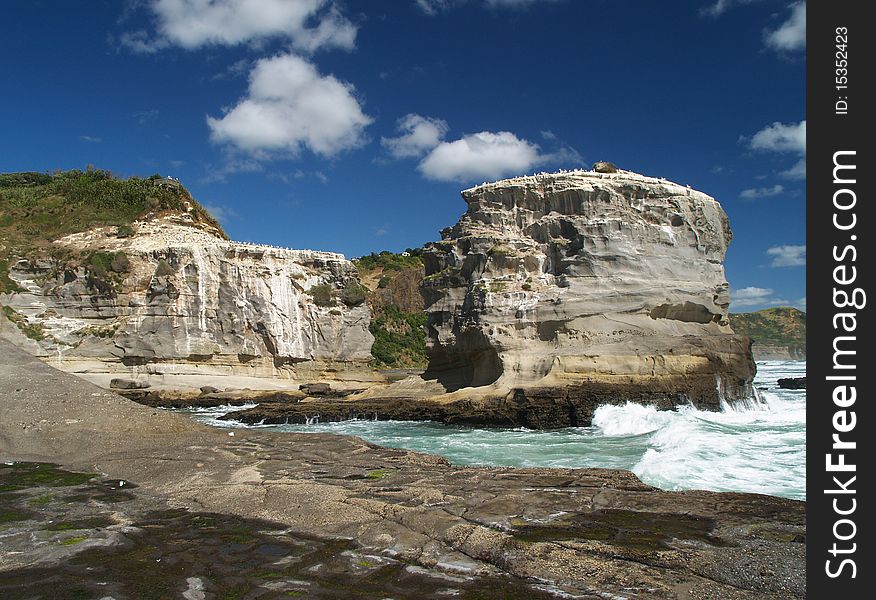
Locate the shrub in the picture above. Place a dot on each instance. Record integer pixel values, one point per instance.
(501, 250)
(384, 282)
(353, 294)
(31, 330)
(399, 338)
(163, 269)
(323, 294)
(124, 231)
(388, 261)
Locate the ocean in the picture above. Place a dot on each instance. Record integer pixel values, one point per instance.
(757, 446)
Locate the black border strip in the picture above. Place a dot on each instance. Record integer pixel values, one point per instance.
(837, 122)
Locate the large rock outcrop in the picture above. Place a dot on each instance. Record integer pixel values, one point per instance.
(187, 302)
(586, 287)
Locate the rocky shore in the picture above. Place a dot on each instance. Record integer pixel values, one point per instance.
(352, 513)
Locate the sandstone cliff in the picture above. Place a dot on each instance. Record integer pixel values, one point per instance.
(585, 285)
(172, 297)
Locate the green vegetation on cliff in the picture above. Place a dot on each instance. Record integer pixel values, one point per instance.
(781, 326)
(389, 261)
(399, 339)
(36, 208)
(393, 283)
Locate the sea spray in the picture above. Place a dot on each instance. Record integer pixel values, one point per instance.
(753, 447)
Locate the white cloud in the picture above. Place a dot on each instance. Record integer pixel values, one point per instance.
(419, 135)
(433, 7)
(721, 6)
(144, 117)
(781, 137)
(483, 155)
(791, 35)
(798, 171)
(787, 256)
(510, 3)
(308, 25)
(90, 139)
(755, 296)
(290, 106)
(764, 192)
(223, 214)
(232, 166)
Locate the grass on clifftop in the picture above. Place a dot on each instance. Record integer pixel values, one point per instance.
(781, 326)
(388, 261)
(36, 208)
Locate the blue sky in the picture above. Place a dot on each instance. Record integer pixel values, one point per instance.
(352, 125)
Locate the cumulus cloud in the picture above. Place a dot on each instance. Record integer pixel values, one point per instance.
(780, 137)
(484, 155)
(791, 35)
(223, 214)
(719, 7)
(798, 171)
(787, 256)
(307, 25)
(755, 296)
(512, 3)
(764, 192)
(433, 7)
(418, 135)
(290, 106)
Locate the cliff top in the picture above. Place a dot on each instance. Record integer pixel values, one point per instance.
(782, 326)
(571, 176)
(38, 208)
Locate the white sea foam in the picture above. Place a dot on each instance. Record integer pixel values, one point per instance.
(753, 447)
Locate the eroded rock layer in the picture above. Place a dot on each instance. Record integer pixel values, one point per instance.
(584, 283)
(188, 302)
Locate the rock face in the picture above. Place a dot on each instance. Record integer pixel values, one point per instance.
(190, 302)
(584, 284)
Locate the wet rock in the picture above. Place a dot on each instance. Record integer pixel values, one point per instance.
(792, 383)
(316, 389)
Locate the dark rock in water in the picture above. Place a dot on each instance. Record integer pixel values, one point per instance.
(181, 399)
(209, 389)
(602, 166)
(127, 384)
(533, 408)
(792, 383)
(316, 389)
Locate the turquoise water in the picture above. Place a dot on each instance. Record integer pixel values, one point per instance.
(757, 447)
